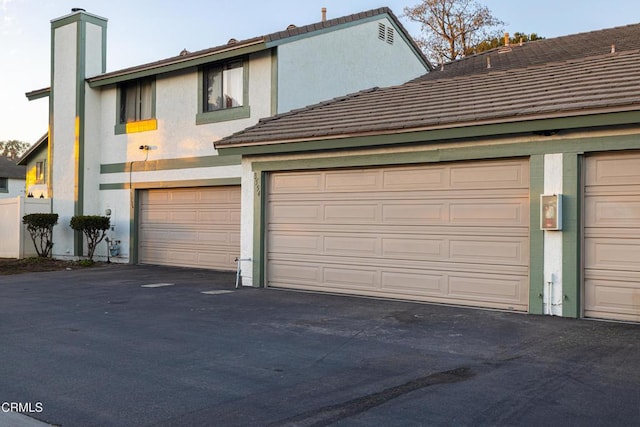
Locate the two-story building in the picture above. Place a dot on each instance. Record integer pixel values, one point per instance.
(135, 144)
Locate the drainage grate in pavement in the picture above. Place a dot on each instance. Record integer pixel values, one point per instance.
(217, 292)
(157, 285)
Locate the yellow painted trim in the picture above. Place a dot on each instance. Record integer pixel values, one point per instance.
(141, 126)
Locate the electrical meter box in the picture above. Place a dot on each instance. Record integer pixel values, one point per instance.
(551, 212)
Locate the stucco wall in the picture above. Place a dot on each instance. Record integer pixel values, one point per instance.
(336, 63)
(63, 135)
(177, 137)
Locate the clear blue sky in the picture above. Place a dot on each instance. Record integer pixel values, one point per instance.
(142, 31)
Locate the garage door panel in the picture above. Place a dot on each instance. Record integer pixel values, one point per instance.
(612, 254)
(490, 175)
(193, 227)
(404, 232)
(613, 211)
(612, 236)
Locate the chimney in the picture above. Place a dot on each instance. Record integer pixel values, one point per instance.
(506, 39)
(324, 14)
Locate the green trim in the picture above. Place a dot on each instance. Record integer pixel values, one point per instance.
(454, 133)
(180, 64)
(274, 82)
(76, 17)
(259, 231)
(134, 231)
(536, 236)
(121, 128)
(226, 114)
(212, 182)
(37, 94)
(571, 247)
(426, 154)
(81, 47)
(171, 164)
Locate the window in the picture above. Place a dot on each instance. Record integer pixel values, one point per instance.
(4, 185)
(223, 86)
(136, 106)
(224, 92)
(41, 172)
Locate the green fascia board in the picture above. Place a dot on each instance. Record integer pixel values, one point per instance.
(179, 65)
(38, 94)
(169, 164)
(342, 26)
(463, 132)
(213, 182)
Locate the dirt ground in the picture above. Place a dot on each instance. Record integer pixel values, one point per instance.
(31, 265)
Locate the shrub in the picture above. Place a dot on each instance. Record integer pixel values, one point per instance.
(94, 228)
(40, 228)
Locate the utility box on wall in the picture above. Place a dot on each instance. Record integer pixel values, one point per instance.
(551, 212)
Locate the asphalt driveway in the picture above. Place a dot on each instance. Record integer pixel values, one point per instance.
(99, 347)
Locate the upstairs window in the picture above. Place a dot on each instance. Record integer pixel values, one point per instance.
(4, 185)
(224, 92)
(224, 86)
(41, 172)
(136, 106)
(136, 100)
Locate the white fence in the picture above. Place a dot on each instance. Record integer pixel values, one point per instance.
(15, 241)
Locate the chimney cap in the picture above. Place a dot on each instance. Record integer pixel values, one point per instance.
(77, 9)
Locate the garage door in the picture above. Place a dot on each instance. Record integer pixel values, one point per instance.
(450, 233)
(190, 227)
(612, 236)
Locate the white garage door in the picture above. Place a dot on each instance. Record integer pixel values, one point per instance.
(612, 236)
(190, 227)
(452, 233)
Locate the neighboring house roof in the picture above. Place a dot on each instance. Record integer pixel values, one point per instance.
(604, 83)
(537, 52)
(236, 48)
(43, 141)
(9, 169)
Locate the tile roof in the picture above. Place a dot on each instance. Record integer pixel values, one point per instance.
(537, 52)
(275, 38)
(9, 169)
(573, 87)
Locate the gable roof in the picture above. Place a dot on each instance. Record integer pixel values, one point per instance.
(538, 52)
(578, 87)
(9, 169)
(236, 48)
(42, 142)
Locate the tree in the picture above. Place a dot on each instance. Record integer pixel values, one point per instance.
(499, 41)
(40, 227)
(452, 28)
(13, 149)
(94, 228)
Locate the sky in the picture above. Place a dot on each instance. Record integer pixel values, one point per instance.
(142, 31)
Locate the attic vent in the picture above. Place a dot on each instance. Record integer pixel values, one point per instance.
(390, 35)
(232, 41)
(381, 31)
(291, 27)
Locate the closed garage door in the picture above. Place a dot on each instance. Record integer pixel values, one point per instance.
(451, 233)
(190, 227)
(612, 236)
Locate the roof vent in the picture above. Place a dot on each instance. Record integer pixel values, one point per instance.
(613, 48)
(291, 27)
(324, 14)
(232, 41)
(77, 9)
(184, 52)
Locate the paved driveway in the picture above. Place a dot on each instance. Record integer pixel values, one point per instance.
(95, 347)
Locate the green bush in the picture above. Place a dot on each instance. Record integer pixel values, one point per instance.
(94, 228)
(40, 228)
